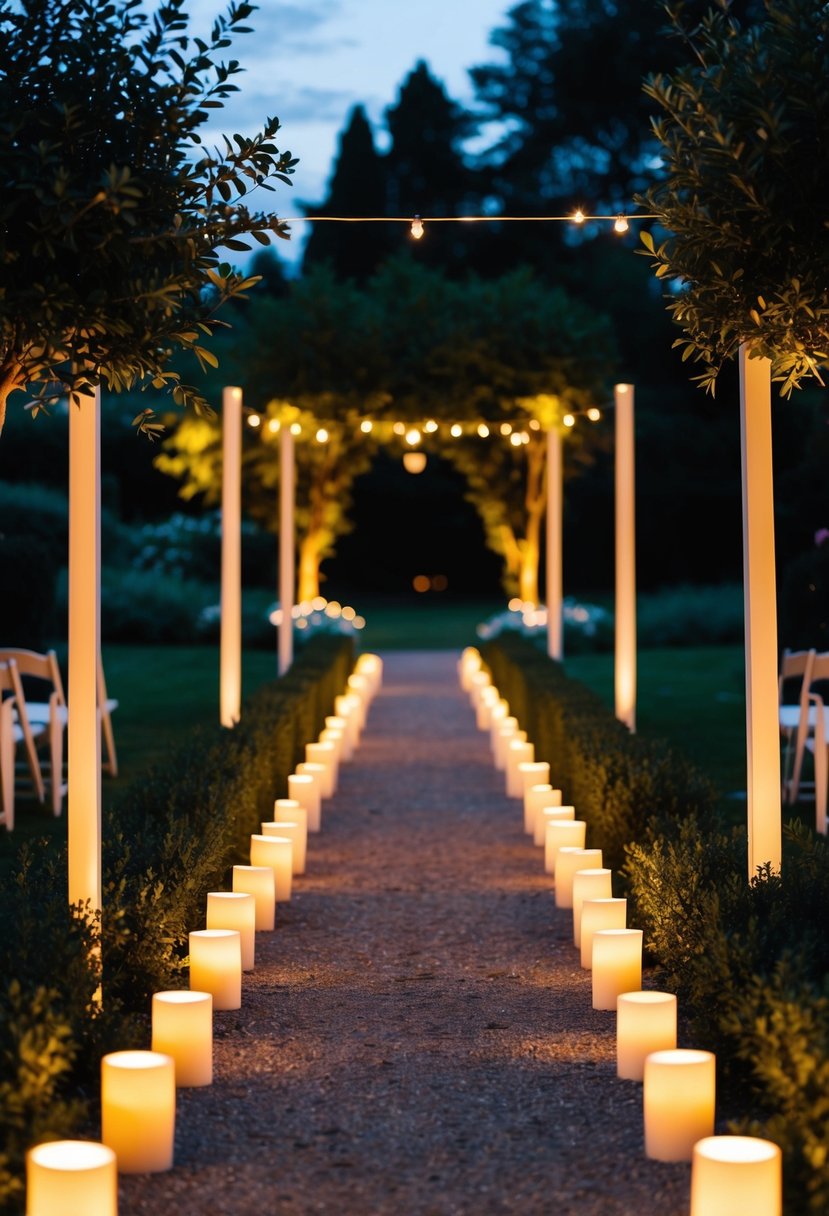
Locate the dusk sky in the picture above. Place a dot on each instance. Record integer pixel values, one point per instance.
(310, 61)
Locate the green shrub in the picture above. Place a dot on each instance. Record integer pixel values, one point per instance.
(691, 616)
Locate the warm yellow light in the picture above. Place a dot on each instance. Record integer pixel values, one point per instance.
(366, 426)
(578, 216)
(515, 605)
(594, 414)
(417, 228)
(534, 424)
(333, 609)
(399, 428)
(483, 430)
(359, 622)
(440, 582)
(348, 613)
(421, 582)
(568, 420)
(620, 225)
(430, 427)
(414, 462)
(318, 603)
(322, 435)
(456, 430)
(254, 420)
(525, 437)
(506, 428)
(413, 437)
(515, 439)
(274, 425)
(296, 429)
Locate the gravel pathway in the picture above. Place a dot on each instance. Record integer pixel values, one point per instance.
(417, 1037)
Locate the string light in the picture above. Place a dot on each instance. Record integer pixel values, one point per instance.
(274, 425)
(515, 439)
(418, 223)
(322, 435)
(296, 429)
(620, 224)
(568, 420)
(430, 427)
(413, 437)
(254, 420)
(578, 216)
(593, 414)
(366, 426)
(506, 428)
(456, 430)
(399, 428)
(483, 430)
(534, 424)
(417, 228)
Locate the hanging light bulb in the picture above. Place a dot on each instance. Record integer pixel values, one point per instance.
(430, 427)
(413, 437)
(594, 414)
(322, 435)
(578, 216)
(414, 462)
(620, 225)
(254, 420)
(506, 428)
(534, 424)
(296, 429)
(456, 430)
(483, 430)
(568, 420)
(366, 426)
(417, 228)
(525, 438)
(274, 425)
(515, 439)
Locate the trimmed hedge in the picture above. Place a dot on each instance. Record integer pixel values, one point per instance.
(172, 836)
(748, 961)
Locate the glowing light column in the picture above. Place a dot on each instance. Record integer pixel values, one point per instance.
(230, 640)
(287, 575)
(84, 755)
(555, 630)
(760, 596)
(625, 650)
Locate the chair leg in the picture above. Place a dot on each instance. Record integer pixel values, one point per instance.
(56, 762)
(111, 761)
(7, 764)
(820, 781)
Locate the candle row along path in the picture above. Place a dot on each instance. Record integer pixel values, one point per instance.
(730, 1174)
(138, 1088)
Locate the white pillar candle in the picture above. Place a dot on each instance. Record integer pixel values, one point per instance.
(588, 884)
(553, 812)
(347, 708)
(497, 716)
(645, 1022)
(562, 832)
(486, 703)
(304, 788)
(235, 910)
(371, 665)
(325, 754)
(337, 722)
(138, 1110)
(258, 881)
(519, 751)
(480, 680)
(216, 966)
(530, 774)
(297, 833)
(617, 965)
(501, 736)
(71, 1178)
(183, 1028)
(337, 737)
(278, 853)
(736, 1175)
(470, 662)
(679, 1096)
(599, 914)
(535, 797)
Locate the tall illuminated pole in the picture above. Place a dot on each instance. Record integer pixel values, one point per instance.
(84, 749)
(555, 624)
(760, 599)
(230, 641)
(625, 651)
(287, 574)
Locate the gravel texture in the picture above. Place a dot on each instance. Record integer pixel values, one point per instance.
(417, 1037)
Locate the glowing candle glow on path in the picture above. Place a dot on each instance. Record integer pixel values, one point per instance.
(182, 1027)
(617, 965)
(599, 914)
(71, 1178)
(235, 910)
(536, 797)
(732, 1175)
(325, 754)
(645, 1022)
(588, 884)
(258, 882)
(532, 773)
(138, 1110)
(679, 1096)
(304, 788)
(566, 834)
(216, 966)
(486, 703)
(278, 853)
(507, 735)
(337, 722)
(295, 827)
(518, 752)
(554, 813)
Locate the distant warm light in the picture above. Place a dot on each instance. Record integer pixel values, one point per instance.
(254, 420)
(417, 228)
(296, 429)
(348, 613)
(399, 428)
(318, 603)
(440, 582)
(578, 216)
(274, 425)
(302, 623)
(421, 582)
(594, 414)
(483, 430)
(275, 617)
(430, 427)
(515, 604)
(456, 430)
(525, 438)
(414, 462)
(322, 435)
(359, 622)
(620, 224)
(534, 424)
(333, 609)
(413, 437)
(366, 426)
(568, 420)
(506, 428)
(515, 439)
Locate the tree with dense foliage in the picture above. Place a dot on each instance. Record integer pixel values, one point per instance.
(113, 213)
(744, 192)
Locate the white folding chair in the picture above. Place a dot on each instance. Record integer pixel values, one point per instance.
(797, 719)
(818, 742)
(40, 721)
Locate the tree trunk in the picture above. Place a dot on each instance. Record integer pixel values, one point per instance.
(308, 586)
(530, 550)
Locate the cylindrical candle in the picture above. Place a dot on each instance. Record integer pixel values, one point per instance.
(337, 737)
(679, 1096)
(297, 833)
(216, 966)
(71, 1178)
(645, 1022)
(497, 716)
(736, 1176)
(588, 884)
(258, 881)
(325, 754)
(371, 665)
(569, 861)
(566, 834)
(183, 1028)
(278, 853)
(554, 813)
(480, 680)
(138, 1110)
(358, 686)
(617, 965)
(346, 707)
(304, 788)
(599, 914)
(337, 722)
(518, 752)
(501, 736)
(468, 664)
(535, 797)
(531, 773)
(486, 703)
(235, 910)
